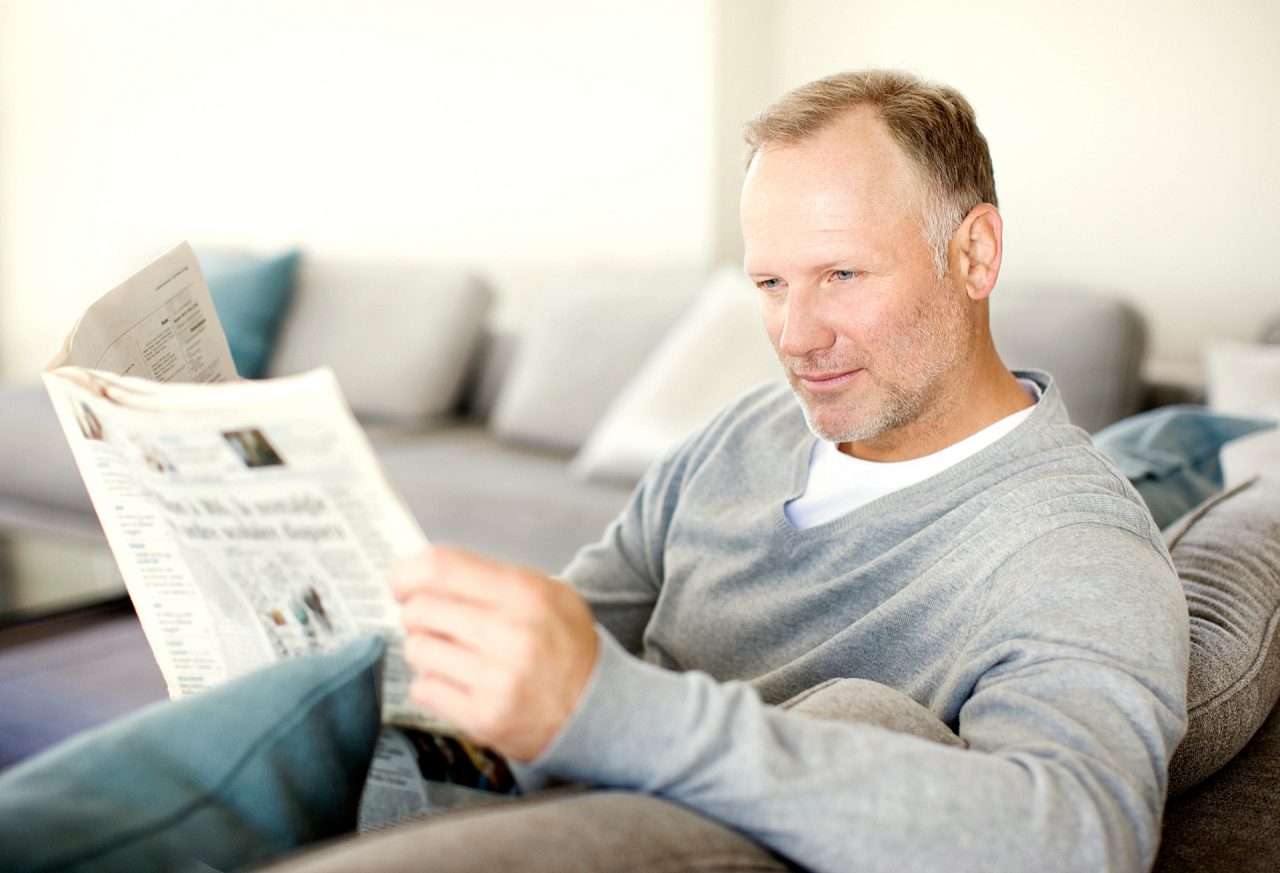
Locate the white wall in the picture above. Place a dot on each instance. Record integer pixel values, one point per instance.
(498, 134)
(1136, 144)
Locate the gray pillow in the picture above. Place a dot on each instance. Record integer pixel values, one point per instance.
(1227, 553)
(582, 349)
(399, 337)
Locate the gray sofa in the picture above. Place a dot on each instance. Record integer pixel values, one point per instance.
(506, 456)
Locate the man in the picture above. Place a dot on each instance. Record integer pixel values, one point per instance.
(909, 513)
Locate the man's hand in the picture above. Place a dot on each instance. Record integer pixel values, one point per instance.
(500, 651)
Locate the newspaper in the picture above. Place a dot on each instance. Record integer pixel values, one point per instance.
(251, 520)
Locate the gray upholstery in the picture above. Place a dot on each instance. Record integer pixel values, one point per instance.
(399, 337)
(1231, 821)
(1093, 346)
(1227, 553)
(468, 488)
(38, 477)
(579, 353)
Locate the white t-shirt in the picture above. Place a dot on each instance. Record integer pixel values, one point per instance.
(840, 483)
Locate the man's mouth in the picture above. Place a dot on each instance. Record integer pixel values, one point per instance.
(826, 381)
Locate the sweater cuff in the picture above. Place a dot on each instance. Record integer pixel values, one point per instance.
(627, 718)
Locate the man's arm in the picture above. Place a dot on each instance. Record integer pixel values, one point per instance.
(1077, 666)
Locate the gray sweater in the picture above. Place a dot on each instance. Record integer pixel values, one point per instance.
(1023, 596)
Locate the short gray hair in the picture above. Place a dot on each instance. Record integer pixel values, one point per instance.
(933, 124)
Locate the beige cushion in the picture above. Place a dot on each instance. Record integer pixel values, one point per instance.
(1227, 552)
(398, 336)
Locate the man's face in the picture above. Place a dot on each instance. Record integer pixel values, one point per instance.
(870, 337)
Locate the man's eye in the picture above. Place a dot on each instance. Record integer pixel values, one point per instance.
(843, 275)
(769, 284)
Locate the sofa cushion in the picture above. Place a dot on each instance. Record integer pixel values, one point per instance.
(220, 780)
(251, 296)
(716, 351)
(1244, 378)
(1092, 344)
(1171, 454)
(399, 337)
(1227, 553)
(582, 349)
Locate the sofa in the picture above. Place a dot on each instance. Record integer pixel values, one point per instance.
(522, 434)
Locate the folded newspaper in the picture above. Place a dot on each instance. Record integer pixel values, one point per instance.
(251, 520)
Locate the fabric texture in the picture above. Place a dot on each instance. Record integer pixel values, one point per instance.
(558, 832)
(1172, 454)
(1043, 328)
(581, 351)
(1243, 378)
(1023, 596)
(715, 352)
(1228, 556)
(400, 337)
(864, 702)
(220, 780)
(1231, 821)
(251, 295)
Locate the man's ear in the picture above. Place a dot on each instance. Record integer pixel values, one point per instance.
(980, 243)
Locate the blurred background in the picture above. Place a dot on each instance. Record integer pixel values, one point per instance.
(1135, 143)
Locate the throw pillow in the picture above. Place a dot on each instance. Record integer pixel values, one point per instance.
(715, 352)
(1227, 553)
(1243, 378)
(221, 780)
(581, 351)
(399, 337)
(251, 296)
(1171, 454)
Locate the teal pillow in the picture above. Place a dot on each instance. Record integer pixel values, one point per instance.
(224, 779)
(251, 296)
(1170, 454)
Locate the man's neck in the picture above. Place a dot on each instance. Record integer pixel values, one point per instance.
(967, 409)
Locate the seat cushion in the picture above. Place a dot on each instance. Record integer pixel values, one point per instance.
(1227, 553)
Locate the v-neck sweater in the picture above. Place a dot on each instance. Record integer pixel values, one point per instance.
(1023, 596)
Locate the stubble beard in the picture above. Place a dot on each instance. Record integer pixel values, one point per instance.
(888, 401)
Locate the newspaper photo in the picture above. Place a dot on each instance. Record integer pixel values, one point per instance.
(251, 521)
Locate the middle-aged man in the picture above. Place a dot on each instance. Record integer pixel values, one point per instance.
(909, 512)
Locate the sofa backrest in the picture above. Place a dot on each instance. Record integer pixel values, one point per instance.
(1093, 346)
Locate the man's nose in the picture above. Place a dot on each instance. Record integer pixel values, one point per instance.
(805, 327)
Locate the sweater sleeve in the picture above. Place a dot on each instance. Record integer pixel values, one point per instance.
(1073, 681)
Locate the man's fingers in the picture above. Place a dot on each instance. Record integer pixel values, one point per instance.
(470, 624)
(453, 571)
(445, 658)
(442, 698)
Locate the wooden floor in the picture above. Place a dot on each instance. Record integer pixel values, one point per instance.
(63, 675)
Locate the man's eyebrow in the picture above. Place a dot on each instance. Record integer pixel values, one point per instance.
(833, 264)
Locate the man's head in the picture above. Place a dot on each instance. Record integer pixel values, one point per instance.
(874, 260)
(933, 124)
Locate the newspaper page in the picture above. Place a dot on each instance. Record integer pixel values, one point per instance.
(159, 324)
(251, 521)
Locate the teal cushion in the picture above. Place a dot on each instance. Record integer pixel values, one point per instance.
(1170, 454)
(251, 295)
(221, 780)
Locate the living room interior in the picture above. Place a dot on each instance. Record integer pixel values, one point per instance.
(525, 186)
